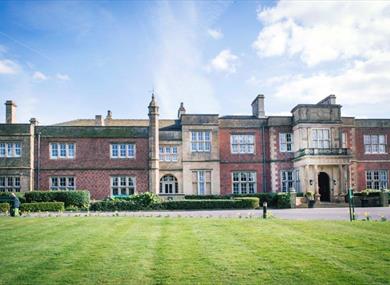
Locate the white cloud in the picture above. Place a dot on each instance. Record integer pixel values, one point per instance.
(178, 61)
(326, 31)
(365, 82)
(225, 61)
(8, 67)
(215, 34)
(39, 76)
(64, 77)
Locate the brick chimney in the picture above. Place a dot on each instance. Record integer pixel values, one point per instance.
(10, 112)
(258, 107)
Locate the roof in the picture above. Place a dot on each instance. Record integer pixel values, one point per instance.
(118, 123)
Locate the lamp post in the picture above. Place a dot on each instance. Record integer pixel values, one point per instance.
(265, 210)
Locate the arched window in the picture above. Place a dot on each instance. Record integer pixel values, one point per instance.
(169, 185)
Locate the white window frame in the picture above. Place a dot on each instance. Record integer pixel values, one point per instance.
(244, 182)
(242, 143)
(119, 186)
(284, 143)
(169, 180)
(201, 181)
(378, 178)
(199, 141)
(57, 185)
(69, 154)
(123, 148)
(372, 147)
(9, 149)
(286, 183)
(318, 140)
(168, 153)
(10, 183)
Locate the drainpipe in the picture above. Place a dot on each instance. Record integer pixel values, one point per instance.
(264, 160)
(38, 160)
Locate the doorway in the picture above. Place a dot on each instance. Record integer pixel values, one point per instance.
(324, 187)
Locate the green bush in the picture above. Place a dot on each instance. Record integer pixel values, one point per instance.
(111, 206)
(42, 207)
(207, 197)
(283, 200)
(79, 198)
(20, 196)
(143, 200)
(4, 208)
(274, 200)
(190, 204)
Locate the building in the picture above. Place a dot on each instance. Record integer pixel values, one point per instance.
(315, 149)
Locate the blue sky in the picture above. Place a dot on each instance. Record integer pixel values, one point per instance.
(65, 60)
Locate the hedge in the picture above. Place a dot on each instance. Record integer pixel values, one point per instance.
(42, 207)
(191, 204)
(278, 200)
(115, 206)
(20, 195)
(79, 198)
(4, 208)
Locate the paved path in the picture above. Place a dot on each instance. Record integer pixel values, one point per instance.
(293, 214)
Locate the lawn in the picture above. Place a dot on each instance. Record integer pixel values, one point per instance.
(120, 250)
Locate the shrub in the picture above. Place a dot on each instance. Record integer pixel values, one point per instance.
(42, 207)
(4, 208)
(207, 197)
(283, 201)
(191, 204)
(20, 196)
(79, 198)
(111, 206)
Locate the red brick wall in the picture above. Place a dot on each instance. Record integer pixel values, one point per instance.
(92, 165)
(97, 182)
(364, 166)
(242, 162)
(276, 144)
(94, 153)
(360, 132)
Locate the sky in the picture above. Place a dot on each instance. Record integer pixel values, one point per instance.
(61, 61)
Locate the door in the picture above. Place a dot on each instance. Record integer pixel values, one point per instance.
(324, 186)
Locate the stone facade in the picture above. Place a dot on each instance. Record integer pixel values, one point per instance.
(315, 149)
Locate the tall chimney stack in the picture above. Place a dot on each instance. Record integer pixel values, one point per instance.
(181, 110)
(99, 120)
(10, 112)
(258, 107)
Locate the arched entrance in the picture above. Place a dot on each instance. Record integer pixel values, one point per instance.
(169, 185)
(324, 186)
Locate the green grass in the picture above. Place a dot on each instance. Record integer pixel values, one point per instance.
(120, 250)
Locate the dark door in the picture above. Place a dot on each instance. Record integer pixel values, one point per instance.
(323, 184)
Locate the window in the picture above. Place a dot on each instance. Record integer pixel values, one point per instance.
(376, 179)
(62, 183)
(244, 182)
(62, 150)
(242, 143)
(321, 138)
(201, 181)
(168, 153)
(200, 141)
(285, 142)
(9, 184)
(10, 149)
(290, 179)
(375, 144)
(169, 185)
(122, 185)
(123, 150)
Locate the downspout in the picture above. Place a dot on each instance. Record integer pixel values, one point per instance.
(38, 160)
(264, 160)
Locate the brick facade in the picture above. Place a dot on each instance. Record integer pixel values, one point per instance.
(344, 162)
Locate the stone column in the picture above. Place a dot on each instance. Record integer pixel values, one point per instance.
(154, 147)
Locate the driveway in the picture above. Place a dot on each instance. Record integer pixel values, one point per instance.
(291, 214)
